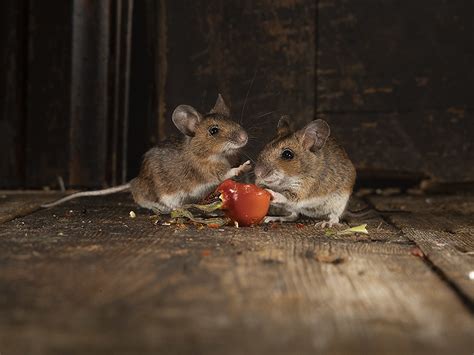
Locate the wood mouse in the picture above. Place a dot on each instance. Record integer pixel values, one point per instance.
(306, 172)
(176, 173)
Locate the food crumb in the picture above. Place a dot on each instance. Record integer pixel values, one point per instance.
(471, 275)
(236, 224)
(132, 214)
(206, 252)
(329, 259)
(417, 252)
(166, 224)
(299, 225)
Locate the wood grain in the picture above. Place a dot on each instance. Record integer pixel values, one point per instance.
(443, 229)
(13, 48)
(85, 277)
(15, 204)
(395, 57)
(48, 64)
(434, 144)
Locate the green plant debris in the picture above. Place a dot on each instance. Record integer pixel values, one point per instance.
(358, 229)
(183, 213)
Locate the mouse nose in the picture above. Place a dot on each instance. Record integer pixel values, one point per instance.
(242, 137)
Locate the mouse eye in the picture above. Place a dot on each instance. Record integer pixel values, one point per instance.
(213, 130)
(287, 154)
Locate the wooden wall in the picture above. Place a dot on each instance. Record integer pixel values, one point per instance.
(64, 92)
(89, 86)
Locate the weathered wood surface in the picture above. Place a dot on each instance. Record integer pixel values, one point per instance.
(421, 144)
(15, 204)
(85, 277)
(395, 80)
(394, 56)
(443, 228)
(48, 96)
(12, 90)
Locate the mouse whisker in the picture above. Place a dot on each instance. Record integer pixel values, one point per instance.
(262, 115)
(248, 156)
(246, 96)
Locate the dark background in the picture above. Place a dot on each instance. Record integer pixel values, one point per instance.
(86, 87)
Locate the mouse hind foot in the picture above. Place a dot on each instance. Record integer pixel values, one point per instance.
(291, 218)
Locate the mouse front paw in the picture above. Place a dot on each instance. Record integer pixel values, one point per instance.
(277, 198)
(244, 168)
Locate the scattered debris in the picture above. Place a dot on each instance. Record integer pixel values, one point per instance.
(62, 188)
(417, 252)
(132, 214)
(236, 224)
(471, 275)
(211, 222)
(330, 259)
(271, 261)
(300, 225)
(206, 252)
(324, 257)
(358, 229)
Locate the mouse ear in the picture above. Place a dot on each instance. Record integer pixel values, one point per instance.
(220, 106)
(284, 126)
(314, 135)
(186, 118)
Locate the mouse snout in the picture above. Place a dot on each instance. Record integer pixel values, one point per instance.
(261, 171)
(241, 137)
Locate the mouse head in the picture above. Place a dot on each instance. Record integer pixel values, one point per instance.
(211, 134)
(290, 156)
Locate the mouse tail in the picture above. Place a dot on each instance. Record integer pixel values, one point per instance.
(108, 191)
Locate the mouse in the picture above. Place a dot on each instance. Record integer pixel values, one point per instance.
(183, 171)
(307, 173)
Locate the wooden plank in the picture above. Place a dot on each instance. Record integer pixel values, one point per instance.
(97, 281)
(396, 80)
(144, 83)
(13, 31)
(442, 226)
(48, 92)
(395, 56)
(89, 109)
(14, 204)
(118, 94)
(417, 145)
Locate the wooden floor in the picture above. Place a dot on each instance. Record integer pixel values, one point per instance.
(85, 278)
